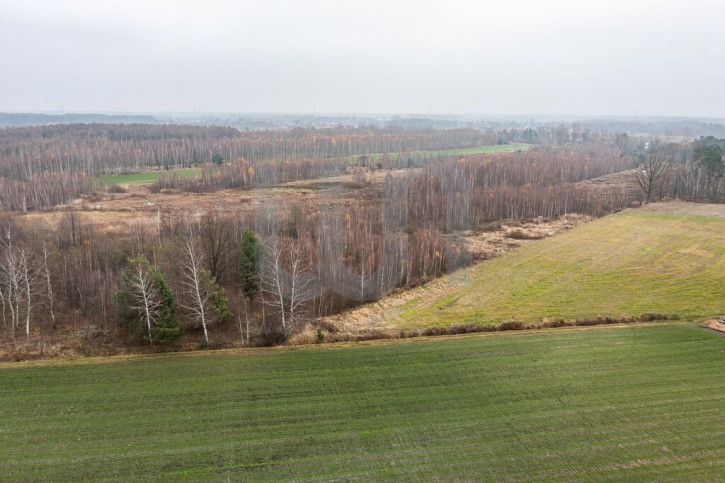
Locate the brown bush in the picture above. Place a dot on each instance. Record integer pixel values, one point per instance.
(511, 325)
(115, 188)
(326, 326)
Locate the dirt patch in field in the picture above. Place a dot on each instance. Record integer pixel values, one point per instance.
(714, 324)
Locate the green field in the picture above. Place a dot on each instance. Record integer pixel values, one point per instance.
(493, 149)
(626, 264)
(632, 402)
(147, 177)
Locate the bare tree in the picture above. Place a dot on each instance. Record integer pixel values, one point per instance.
(18, 275)
(272, 279)
(300, 282)
(2, 297)
(49, 285)
(286, 277)
(147, 300)
(217, 238)
(144, 296)
(196, 286)
(12, 281)
(29, 274)
(651, 175)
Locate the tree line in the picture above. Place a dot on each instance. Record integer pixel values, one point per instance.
(267, 271)
(41, 167)
(100, 149)
(693, 171)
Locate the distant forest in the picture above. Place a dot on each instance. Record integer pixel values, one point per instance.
(657, 126)
(96, 149)
(8, 119)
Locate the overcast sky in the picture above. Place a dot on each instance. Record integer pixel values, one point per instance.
(575, 57)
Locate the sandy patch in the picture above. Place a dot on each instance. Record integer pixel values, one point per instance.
(718, 325)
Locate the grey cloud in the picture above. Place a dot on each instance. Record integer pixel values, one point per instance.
(559, 56)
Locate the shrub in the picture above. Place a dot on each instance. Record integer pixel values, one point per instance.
(511, 325)
(115, 188)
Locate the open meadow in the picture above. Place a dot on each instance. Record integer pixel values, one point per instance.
(664, 258)
(145, 177)
(615, 403)
(491, 149)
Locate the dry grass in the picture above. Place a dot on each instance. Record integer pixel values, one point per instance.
(623, 180)
(714, 324)
(685, 208)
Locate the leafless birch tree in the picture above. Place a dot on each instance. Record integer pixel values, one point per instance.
(196, 287)
(18, 277)
(29, 275)
(286, 277)
(145, 297)
(49, 285)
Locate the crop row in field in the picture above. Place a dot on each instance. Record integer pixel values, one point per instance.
(601, 403)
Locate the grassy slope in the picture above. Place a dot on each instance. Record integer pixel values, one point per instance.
(601, 403)
(626, 264)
